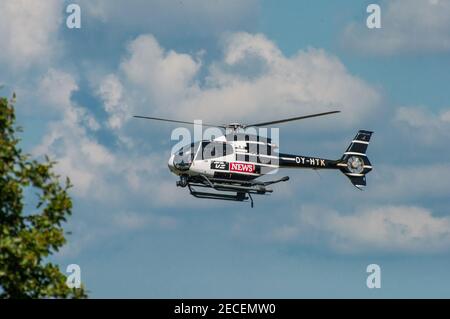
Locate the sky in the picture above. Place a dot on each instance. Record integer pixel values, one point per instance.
(136, 235)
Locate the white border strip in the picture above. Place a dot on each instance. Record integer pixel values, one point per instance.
(353, 174)
(354, 153)
(361, 142)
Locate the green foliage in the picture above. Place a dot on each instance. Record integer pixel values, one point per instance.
(28, 238)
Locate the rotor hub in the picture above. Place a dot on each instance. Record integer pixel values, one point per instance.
(235, 126)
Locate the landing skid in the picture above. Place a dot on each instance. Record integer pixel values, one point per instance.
(226, 189)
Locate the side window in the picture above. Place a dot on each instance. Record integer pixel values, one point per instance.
(228, 149)
(214, 149)
(265, 149)
(206, 151)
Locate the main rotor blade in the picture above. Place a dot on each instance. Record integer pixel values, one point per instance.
(174, 121)
(292, 119)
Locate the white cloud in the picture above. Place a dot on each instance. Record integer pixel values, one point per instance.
(408, 26)
(165, 76)
(29, 31)
(400, 183)
(67, 140)
(380, 229)
(253, 81)
(240, 46)
(423, 125)
(78, 156)
(186, 17)
(111, 92)
(102, 173)
(56, 88)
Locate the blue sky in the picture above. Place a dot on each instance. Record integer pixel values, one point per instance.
(136, 235)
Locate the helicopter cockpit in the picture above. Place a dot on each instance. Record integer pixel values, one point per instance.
(183, 158)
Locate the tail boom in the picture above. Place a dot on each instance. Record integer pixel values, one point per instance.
(301, 161)
(354, 163)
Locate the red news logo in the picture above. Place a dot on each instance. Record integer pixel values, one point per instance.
(241, 167)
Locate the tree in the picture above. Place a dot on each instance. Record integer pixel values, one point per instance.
(28, 238)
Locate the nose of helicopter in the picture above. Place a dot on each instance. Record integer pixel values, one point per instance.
(170, 164)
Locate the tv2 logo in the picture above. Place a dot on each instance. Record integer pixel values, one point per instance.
(219, 165)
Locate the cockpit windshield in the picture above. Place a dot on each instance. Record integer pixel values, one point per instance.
(184, 157)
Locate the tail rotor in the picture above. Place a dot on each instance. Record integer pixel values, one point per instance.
(354, 163)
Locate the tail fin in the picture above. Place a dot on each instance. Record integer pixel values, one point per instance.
(354, 163)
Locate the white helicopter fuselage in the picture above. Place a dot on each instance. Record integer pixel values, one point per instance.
(236, 159)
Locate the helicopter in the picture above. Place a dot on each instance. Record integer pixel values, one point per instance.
(229, 166)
